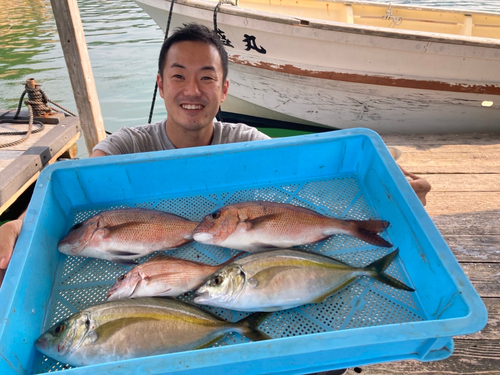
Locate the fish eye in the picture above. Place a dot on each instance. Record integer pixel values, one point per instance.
(121, 278)
(59, 328)
(215, 215)
(87, 323)
(217, 280)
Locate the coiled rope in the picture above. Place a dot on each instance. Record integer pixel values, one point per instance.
(37, 106)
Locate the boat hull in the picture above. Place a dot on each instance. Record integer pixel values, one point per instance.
(338, 75)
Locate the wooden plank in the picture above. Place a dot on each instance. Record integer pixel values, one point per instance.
(423, 162)
(33, 178)
(438, 141)
(474, 248)
(15, 175)
(470, 182)
(485, 277)
(455, 203)
(70, 29)
(479, 357)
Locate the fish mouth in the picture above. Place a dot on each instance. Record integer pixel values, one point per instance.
(41, 343)
(201, 297)
(203, 237)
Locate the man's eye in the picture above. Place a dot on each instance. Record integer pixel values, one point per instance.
(178, 76)
(207, 78)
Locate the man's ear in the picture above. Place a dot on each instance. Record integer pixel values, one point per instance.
(225, 88)
(159, 82)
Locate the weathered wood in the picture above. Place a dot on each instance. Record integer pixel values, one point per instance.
(439, 141)
(485, 277)
(474, 248)
(16, 175)
(457, 203)
(451, 162)
(469, 182)
(477, 357)
(70, 29)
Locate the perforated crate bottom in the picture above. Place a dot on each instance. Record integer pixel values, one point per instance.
(83, 282)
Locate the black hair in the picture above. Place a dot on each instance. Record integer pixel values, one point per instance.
(193, 32)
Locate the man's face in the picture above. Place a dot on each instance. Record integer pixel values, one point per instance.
(192, 86)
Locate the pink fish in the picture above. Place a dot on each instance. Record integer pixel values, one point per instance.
(162, 276)
(125, 234)
(255, 226)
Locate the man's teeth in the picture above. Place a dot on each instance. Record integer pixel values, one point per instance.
(192, 106)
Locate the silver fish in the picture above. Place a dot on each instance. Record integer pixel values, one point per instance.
(133, 328)
(162, 276)
(256, 226)
(126, 234)
(282, 279)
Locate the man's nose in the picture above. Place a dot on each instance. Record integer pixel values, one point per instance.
(192, 88)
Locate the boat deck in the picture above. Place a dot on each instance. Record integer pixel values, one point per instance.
(21, 164)
(464, 203)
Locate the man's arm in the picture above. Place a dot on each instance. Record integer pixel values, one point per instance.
(97, 153)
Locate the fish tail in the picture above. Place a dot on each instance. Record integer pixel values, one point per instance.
(367, 231)
(250, 323)
(377, 268)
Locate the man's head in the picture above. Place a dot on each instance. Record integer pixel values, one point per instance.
(193, 32)
(192, 82)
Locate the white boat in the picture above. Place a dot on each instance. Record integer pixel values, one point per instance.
(345, 64)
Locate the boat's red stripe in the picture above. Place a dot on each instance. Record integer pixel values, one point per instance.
(372, 80)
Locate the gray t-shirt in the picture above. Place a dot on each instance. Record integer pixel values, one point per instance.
(153, 137)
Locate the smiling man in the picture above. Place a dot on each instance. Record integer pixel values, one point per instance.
(192, 81)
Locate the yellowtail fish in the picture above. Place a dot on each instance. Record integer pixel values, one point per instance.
(119, 330)
(282, 279)
(162, 276)
(126, 234)
(256, 226)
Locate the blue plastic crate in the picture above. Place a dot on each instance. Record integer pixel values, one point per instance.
(348, 174)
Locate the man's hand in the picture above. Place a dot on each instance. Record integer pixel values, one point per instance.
(419, 185)
(8, 237)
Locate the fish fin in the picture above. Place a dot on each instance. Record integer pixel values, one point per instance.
(378, 267)
(209, 343)
(262, 278)
(250, 324)
(115, 230)
(323, 297)
(367, 231)
(110, 328)
(263, 246)
(162, 292)
(93, 336)
(130, 262)
(123, 253)
(258, 222)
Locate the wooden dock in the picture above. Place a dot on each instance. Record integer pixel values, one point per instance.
(464, 171)
(21, 164)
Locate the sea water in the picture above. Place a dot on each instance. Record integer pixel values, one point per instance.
(123, 44)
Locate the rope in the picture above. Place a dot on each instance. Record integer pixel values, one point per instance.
(37, 105)
(218, 116)
(216, 9)
(156, 83)
(26, 133)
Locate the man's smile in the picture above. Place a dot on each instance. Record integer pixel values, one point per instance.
(192, 106)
